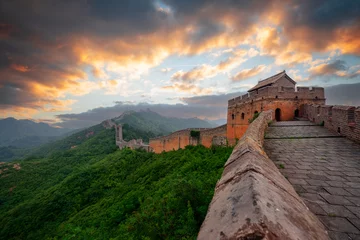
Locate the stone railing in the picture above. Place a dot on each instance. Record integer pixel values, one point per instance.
(252, 200)
(344, 120)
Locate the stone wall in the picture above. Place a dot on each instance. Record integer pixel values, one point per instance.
(253, 200)
(344, 120)
(239, 114)
(279, 93)
(182, 138)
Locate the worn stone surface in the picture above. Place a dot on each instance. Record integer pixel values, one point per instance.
(299, 132)
(253, 200)
(325, 173)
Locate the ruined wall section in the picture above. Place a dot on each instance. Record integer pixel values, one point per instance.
(253, 200)
(182, 138)
(344, 120)
(214, 136)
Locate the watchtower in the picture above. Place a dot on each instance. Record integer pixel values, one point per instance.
(278, 93)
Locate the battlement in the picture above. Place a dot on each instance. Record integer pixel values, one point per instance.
(179, 133)
(345, 120)
(271, 92)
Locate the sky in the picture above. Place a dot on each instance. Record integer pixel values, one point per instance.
(71, 63)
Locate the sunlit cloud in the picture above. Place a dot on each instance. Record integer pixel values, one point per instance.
(336, 68)
(187, 88)
(53, 57)
(248, 73)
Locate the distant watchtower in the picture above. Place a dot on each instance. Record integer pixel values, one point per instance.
(277, 93)
(119, 134)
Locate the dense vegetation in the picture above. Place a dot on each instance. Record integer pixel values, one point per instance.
(95, 191)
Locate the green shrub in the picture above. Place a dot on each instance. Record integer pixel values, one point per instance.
(254, 117)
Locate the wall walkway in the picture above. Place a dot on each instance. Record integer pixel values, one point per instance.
(324, 169)
(252, 200)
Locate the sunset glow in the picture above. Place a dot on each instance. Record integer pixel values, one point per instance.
(71, 57)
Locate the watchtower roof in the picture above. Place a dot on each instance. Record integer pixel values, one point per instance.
(271, 80)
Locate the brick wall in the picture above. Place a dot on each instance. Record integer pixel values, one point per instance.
(344, 120)
(182, 138)
(239, 114)
(253, 200)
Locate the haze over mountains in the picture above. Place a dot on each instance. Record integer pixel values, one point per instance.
(27, 133)
(19, 136)
(343, 94)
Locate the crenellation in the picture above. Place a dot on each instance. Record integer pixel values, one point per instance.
(270, 92)
(345, 120)
(287, 102)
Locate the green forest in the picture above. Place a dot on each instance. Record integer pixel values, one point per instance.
(96, 191)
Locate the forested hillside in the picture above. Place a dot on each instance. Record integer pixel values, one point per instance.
(26, 133)
(95, 191)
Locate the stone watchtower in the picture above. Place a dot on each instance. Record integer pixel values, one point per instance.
(278, 93)
(119, 135)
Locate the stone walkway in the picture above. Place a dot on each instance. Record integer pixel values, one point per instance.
(324, 169)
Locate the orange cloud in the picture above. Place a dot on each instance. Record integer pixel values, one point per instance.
(187, 88)
(207, 71)
(20, 68)
(5, 30)
(248, 73)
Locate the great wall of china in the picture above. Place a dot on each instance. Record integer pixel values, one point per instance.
(294, 172)
(277, 93)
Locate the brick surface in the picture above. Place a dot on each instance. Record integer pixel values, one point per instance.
(339, 224)
(324, 171)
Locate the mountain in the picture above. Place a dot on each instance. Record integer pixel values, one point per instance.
(217, 122)
(26, 133)
(158, 124)
(84, 187)
(343, 94)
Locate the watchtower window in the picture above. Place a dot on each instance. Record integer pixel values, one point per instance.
(318, 110)
(351, 115)
(276, 96)
(243, 116)
(232, 116)
(316, 97)
(296, 97)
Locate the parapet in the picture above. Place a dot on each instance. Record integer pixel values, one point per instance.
(280, 93)
(345, 120)
(178, 133)
(253, 200)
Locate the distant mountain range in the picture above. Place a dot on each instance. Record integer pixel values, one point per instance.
(21, 138)
(160, 125)
(26, 133)
(343, 94)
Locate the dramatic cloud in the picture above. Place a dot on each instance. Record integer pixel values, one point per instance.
(337, 68)
(207, 71)
(187, 88)
(52, 52)
(247, 73)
